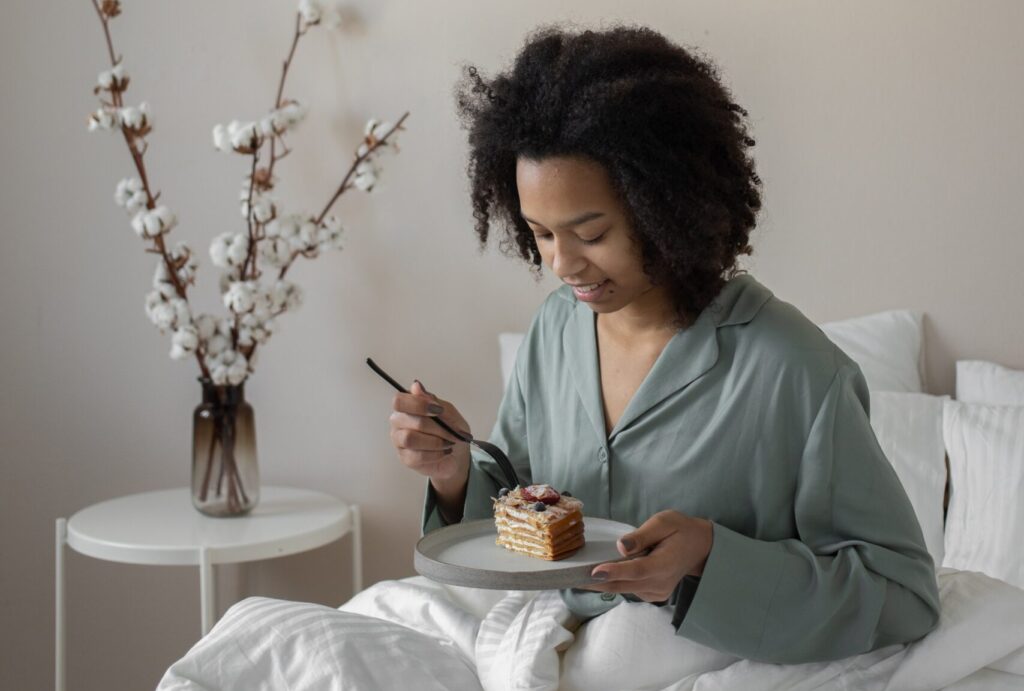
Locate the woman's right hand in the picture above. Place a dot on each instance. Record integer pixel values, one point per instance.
(424, 445)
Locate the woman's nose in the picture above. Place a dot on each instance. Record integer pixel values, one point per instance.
(566, 261)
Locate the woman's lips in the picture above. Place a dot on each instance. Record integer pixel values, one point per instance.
(590, 295)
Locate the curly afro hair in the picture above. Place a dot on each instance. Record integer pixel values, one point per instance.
(654, 115)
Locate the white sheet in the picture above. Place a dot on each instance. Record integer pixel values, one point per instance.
(414, 634)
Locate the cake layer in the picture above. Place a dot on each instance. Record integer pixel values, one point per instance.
(520, 517)
(541, 552)
(526, 532)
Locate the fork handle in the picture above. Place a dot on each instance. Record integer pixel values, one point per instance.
(500, 458)
(490, 449)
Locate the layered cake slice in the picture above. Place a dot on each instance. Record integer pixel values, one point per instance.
(539, 521)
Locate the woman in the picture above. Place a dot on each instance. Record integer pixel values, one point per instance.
(662, 386)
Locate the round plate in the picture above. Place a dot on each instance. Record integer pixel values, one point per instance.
(466, 554)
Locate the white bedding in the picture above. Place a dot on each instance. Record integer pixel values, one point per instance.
(415, 634)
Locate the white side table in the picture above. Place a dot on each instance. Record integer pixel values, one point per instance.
(163, 528)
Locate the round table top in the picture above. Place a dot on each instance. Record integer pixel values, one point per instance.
(163, 527)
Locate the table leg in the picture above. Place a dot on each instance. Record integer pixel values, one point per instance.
(207, 606)
(62, 535)
(357, 549)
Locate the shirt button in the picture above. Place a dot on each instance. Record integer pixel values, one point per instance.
(607, 597)
(603, 455)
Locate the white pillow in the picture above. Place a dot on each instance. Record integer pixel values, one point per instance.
(985, 522)
(987, 382)
(886, 345)
(909, 430)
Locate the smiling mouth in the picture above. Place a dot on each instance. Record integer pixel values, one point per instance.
(587, 287)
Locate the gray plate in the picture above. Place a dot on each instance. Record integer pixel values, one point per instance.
(465, 554)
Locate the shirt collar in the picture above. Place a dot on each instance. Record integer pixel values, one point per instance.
(690, 354)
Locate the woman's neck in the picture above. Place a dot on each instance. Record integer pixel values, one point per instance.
(651, 317)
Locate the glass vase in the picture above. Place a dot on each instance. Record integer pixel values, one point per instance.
(225, 475)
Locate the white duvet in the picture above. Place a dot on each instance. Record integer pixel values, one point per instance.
(418, 635)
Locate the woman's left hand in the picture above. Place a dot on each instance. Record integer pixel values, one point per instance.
(679, 546)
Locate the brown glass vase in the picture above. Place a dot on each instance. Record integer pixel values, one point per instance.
(225, 476)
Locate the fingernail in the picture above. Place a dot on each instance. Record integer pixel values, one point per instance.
(448, 442)
(421, 385)
(446, 452)
(599, 575)
(434, 409)
(628, 544)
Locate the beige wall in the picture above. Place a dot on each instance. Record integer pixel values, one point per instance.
(889, 138)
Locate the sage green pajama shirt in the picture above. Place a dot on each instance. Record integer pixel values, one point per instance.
(750, 418)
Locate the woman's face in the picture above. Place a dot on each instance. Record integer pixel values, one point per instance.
(583, 231)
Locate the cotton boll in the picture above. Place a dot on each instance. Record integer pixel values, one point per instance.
(370, 125)
(261, 313)
(306, 239)
(225, 326)
(279, 296)
(139, 223)
(365, 181)
(186, 261)
(311, 11)
(219, 250)
(245, 137)
(221, 141)
(366, 175)
(102, 119)
(267, 126)
(206, 326)
(245, 338)
(130, 195)
(162, 281)
(238, 371)
(182, 316)
(162, 315)
(153, 300)
(219, 374)
(262, 209)
(216, 344)
(286, 227)
(275, 251)
(292, 113)
(381, 130)
(330, 234)
(105, 80)
(149, 223)
(236, 367)
(239, 298)
(292, 295)
(238, 250)
(164, 218)
(184, 342)
(134, 118)
(114, 79)
(226, 279)
(363, 149)
(260, 335)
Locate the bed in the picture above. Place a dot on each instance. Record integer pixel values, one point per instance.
(960, 459)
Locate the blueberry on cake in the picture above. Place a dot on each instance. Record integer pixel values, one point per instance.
(539, 521)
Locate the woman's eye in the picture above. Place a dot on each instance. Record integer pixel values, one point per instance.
(547, 236)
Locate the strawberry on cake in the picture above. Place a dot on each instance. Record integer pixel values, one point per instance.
(539, 521)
